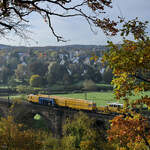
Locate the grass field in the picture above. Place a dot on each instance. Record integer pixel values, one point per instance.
(101, 98)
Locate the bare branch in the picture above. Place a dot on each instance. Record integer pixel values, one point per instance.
(13, 13)
(59, 38)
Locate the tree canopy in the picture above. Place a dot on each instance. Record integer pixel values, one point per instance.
(82, 133)
(14, 14)
(130, 132)
(130, 61)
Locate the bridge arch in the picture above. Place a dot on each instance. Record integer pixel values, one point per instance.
(28, 119)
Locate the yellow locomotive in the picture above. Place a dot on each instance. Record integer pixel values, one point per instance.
(51, 100)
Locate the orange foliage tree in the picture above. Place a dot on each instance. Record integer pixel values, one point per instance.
(128, 131)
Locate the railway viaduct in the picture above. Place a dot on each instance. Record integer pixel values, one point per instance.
(54, 117)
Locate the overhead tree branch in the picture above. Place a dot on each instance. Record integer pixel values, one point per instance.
(14, 11)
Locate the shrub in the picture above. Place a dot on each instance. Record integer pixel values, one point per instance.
(89, 85)
(104, 87)
(27, 89)
(35, 81)
(21, 89)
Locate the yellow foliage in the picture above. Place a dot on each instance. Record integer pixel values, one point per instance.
(79, 134)
(129, 62)
(12, 136)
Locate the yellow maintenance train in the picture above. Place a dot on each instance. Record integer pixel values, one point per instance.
(51, 100)
(80, 104)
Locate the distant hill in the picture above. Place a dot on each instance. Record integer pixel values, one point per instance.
(2, 46)
(67, 47)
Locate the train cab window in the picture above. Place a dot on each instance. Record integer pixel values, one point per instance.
(116, 105)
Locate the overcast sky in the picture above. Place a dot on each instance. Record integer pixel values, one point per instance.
(77, 31)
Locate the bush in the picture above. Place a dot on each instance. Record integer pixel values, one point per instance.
(27, 89)
(104, 87)
(12, 82)
(56, 87)
(19, 98)
(35, 81)
(21, 89)
(89, 85)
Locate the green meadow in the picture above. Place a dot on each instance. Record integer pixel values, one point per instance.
(101, 98)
